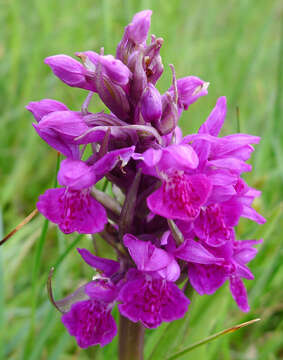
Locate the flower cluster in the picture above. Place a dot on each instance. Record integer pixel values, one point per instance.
(176, 199)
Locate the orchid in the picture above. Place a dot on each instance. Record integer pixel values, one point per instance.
(177, 200)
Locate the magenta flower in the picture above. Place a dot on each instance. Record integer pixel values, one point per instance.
(90, 322)
(149, 294)
(151, 300)
(73, 208)
(87, 312)
(54, 119)
(215, 224)
(206, 279)
(180, 197)
(60, 128)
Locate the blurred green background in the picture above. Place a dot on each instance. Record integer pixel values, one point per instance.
(235, 45)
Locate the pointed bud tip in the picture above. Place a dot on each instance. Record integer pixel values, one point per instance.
(139, 26)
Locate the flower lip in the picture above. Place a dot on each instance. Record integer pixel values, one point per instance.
(155, 300)
(180, 196)
(91, 323)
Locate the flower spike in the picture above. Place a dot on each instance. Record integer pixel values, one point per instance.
(167, 204)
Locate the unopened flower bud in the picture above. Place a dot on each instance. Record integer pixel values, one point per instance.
(113, 96)
(190, 88)
(155, 70)
(170, 115)
(116, 70)
(151, 105)
(139, 78)
(70, 71)
(113, 68)
(135, 35)
(138, 29)
(153, 61)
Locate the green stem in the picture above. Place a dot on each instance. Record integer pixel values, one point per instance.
(131, 340)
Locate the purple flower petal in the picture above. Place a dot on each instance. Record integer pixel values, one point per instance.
(232, 210)
(151, 106)
(190, 88)
(101, 290)
(244, 272)
(151, 157)
(202, 149)
(152, 301)
(239, 293)
(73, 210)
(178, 157)
(58, 142)
(138, 29)
(43, 107)
(221, 193)
(180, 197)
(107, 266)
(215, 120)
(221, 177)
(111, 67)
(193, 251)
(116, 70)
(67, 123)
(206, 279)
(244, 251)
(234, 164)
(70, 71)
(76, 174)
(250, 213)
(171, 272)
(146, 256)
(111, 159)
(91, 323)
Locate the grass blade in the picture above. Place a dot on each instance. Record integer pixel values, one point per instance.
(19, 226)
(210, 338)
(67, 251)
(35, 273)
(40, 244)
